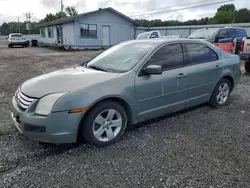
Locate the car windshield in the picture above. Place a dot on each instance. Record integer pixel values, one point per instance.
(142, 36)
(122, 57)
(203, 34)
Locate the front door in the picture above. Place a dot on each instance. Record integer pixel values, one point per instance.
(105, 35)
(165, 93)
(205, 72)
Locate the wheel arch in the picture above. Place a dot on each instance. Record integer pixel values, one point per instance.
(117, 99)
(230, 79)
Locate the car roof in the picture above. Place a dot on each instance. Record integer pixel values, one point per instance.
(160, 41)
(16, 34)
(216, 28)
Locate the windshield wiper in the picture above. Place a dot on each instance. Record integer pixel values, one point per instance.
(84, 63)
(97, 68)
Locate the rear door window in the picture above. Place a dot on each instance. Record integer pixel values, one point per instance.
(241, 33)
(231, 33)
(199, 53)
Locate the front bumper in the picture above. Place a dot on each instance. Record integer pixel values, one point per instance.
(59, 127)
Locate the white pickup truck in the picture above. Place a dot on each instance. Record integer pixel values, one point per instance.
(245, 53)
(153, 35)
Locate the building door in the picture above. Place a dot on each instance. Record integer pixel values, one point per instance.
(59, 32)
(105, 35)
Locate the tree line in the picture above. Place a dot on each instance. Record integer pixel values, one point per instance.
(13, 27)
(225, 14)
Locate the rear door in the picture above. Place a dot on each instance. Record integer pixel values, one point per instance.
(205, 72)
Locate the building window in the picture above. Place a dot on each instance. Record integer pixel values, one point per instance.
(50, 32)
(43, 32)
(88, 30)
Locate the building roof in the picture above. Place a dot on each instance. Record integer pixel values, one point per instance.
(72, 18)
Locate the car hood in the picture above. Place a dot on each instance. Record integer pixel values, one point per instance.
(64, 81)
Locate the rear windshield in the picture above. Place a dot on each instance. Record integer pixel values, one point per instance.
(241, 32)
(142, 36)
(203, 34)
(16, 36)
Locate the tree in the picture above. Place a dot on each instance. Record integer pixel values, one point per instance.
(224, 15)
(229, 7)
(59, 15)
(71, 11)
(50, 17)
(242, 16)
(5, 29)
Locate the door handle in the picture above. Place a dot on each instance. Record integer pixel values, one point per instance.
(181, 75)
(217, 67)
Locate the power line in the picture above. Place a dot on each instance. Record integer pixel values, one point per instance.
(166, 7)
(173, 10)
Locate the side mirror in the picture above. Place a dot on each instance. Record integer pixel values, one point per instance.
(153, 69)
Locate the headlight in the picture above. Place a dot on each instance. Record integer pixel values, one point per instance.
(46, 103)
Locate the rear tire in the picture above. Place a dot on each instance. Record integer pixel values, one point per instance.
(221, 93)
(247, 66)
(10, 45)
(104, 124)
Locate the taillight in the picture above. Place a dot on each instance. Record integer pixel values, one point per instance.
(242, 45)
(234, 43)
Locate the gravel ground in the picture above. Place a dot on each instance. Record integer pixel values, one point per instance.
(199, 147)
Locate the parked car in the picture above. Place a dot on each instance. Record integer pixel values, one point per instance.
(128, 83)
(224, 38)
(245, 53)
(16, 39)
(153, 35)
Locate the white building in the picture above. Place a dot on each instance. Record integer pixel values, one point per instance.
(96, 29)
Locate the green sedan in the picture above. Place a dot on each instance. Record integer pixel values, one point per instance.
(129, 83)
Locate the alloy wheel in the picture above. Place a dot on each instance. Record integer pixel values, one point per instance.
(223, 93)
(107, 125)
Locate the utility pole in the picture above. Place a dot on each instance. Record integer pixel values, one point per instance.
(18, 19)
(61, 7)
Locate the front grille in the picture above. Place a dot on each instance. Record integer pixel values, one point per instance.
(23, 100)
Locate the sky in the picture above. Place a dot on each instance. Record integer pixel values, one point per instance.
(11, 9)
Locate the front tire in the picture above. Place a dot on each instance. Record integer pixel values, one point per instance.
(221, 93)
(104, 124)
(247, 66)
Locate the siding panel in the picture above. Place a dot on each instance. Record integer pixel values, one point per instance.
(120, 29)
